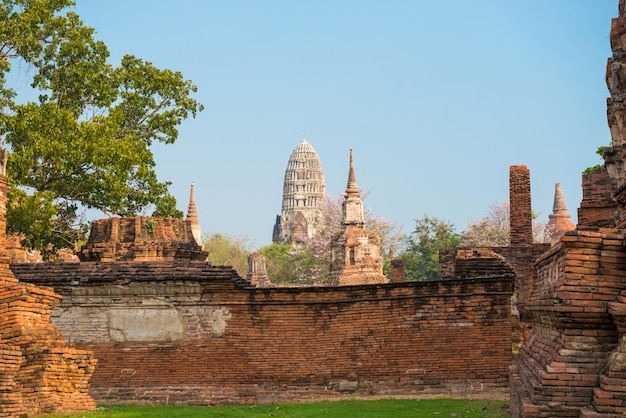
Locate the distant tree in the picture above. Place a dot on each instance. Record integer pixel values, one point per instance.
(85, 142)
(421, 257)
(494, 229)
(280, 263)
(228, 251)
(490, 231)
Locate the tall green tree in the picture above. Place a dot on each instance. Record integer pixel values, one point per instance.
(85, 142)
(421, 258)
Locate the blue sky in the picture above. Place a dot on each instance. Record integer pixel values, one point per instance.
(437, 99)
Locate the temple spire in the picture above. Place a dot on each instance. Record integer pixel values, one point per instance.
(559, 221)
(304, 191)
(352, 204)
(192, 217)
(192, 214)
(559, 201)
(352, 190)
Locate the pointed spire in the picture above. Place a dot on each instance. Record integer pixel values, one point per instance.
(559, 220)
(192, 215)
(352, 190)
(559, 201)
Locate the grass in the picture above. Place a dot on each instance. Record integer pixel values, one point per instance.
(341, 409)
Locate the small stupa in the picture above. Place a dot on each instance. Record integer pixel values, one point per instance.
(355, 251)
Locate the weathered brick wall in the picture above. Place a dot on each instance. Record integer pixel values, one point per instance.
(38, 371)
(521, 259)
(598, 208)
(220, 340)
(559, 368)
(141, 238)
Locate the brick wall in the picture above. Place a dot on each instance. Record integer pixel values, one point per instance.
(224, 341)
(598, 208)
(559, 369)
(39, 372)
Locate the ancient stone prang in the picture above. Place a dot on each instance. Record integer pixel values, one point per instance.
(304, 192)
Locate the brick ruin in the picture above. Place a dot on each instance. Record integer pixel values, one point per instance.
(39, 372)
(573, 362)
(186, 332)
(559, 221)
(167, 327)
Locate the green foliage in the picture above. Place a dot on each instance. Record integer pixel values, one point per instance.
(600, 152)
(593, 168)
(421, 258)
(280, 263)
(85, 144)
(42, 223)
(468, 408)
(228, 251)
(150, 224)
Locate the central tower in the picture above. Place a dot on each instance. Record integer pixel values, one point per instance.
(304, 191)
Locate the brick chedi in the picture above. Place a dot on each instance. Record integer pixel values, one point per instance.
(192, 218)
(141, 238)
(559, 221)
(39, 373)
(573, 363)
(355, 251)
(145, 238)
(304, 190)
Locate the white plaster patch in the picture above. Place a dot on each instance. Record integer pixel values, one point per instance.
(218, 320)
(151, 324)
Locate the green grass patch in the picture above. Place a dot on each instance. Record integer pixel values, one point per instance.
(341, 409)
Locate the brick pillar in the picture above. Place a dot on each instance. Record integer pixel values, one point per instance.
(521, 222)
(397, 270)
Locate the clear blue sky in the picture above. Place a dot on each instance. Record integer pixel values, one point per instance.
(437, 99)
